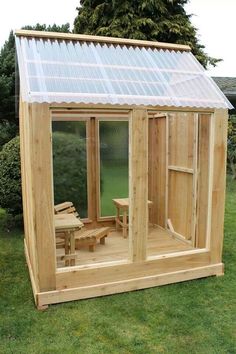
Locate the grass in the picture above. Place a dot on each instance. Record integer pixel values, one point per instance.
(191, 317)
(114, 185)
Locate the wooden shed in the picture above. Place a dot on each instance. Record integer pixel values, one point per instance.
(132, 136)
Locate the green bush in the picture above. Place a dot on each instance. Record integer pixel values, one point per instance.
(10, 178)
(70, 170)
(232, 146)
(70, 173)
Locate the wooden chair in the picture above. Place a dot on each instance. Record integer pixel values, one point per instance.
(84, 237)
(65, 208)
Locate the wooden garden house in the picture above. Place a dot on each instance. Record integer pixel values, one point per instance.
(123, 155)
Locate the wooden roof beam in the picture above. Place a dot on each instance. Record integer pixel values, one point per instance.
(101, 39)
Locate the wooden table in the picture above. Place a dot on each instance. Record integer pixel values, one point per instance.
(65, 226)
(123, 204)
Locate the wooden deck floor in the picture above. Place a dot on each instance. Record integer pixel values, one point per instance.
(116, 248)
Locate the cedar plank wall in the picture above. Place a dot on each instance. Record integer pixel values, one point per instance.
(218, 184)
(138, 185)
(36, 160)
(41, 153)
(180, 184)
(157, 169)
(203, 178)
(27, 190)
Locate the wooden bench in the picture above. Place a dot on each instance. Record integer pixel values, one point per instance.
(90, 237)
(83, 237)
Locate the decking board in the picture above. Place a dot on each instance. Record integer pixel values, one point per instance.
(159, 242)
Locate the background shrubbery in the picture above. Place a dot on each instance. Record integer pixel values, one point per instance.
(70, 176)
(10, 178)
(70, 170)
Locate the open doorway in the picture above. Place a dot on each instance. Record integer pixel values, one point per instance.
(91, 170)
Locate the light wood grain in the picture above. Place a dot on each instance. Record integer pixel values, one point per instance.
(157, 168)
(159, 241)
(138, 184)
(58, 296)
(101, 39)
(203, 179)
(41, 153)
(218, 184)
(27, 186)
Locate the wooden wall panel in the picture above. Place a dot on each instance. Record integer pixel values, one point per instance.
(41, 164)
(218, 183)
(138, 184)
(157, 169)
(181, 136)
(203, 178)
(27, 189)
(180, 202)
(182, 174)
(92, 171)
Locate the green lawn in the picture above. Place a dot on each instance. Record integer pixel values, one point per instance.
(192, 317)
(114, 185)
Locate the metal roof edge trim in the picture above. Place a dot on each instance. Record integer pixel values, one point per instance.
(101, 39)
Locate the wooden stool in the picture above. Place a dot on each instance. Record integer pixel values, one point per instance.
(122, 220)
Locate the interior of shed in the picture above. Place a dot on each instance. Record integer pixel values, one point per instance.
(91, 171)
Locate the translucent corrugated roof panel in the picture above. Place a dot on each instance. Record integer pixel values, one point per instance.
(55, 70)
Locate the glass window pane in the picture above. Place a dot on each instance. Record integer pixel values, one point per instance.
(114, 143)
(70, 164)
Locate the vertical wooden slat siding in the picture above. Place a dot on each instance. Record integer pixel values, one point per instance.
(97, 168)
(157, 169)
(167, 172)
(27, 192)
(203, 179)
(210, 179)
(180, 183)
(40, 127)
(195, 179)
(152, 166)
(218, 184)
(91, 166)
(181, 136)
(23, 178)
(138, 184)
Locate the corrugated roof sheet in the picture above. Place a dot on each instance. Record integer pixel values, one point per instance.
(54, 70)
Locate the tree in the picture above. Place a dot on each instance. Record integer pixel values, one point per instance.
(9, 83)
(154, 20)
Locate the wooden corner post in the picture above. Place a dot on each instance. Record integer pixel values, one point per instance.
(138, 184)
(218, 183)
(41, 165)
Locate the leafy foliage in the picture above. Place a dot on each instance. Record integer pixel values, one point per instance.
(70, 170)
(232, 145)
(154, 20)
(69, 164)
(9, 82)
(10, 178)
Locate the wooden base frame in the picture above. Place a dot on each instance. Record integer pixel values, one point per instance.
(129, 282)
